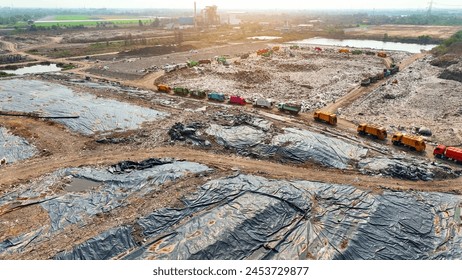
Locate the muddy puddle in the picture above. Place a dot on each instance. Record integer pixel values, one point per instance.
(81, 185)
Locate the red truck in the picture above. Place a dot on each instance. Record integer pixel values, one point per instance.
(234, 99)
(441, 151)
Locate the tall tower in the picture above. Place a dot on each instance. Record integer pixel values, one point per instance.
(430, 5)
(195, 14)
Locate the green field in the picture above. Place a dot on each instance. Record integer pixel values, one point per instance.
(86, 23)
(72, 17)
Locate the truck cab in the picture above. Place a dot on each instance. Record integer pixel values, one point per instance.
(439, 151)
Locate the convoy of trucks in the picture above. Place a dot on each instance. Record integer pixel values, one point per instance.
(263, 103)
(215, 96)
(291, 108)
(163, 88)
(325, 117)
(181, 91)
(235, 99)
(451, 153)
(411, 141)
(377, 132)
(400, 139)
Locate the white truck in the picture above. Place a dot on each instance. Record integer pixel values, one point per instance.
(263, 103)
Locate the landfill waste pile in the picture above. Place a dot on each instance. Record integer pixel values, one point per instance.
(407, 169)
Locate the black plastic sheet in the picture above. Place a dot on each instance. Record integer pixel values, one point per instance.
(407, 168)
(181, 132)
(248, 217)
(95, 114)
(111, 191)
(102, 247)
(14, 148)
(293, 145)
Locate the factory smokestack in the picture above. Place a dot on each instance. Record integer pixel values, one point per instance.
(195, 20)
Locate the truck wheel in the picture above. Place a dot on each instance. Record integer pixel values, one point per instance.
(396, 143)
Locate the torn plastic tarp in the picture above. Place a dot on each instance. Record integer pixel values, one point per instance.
(294, 145)
(188, 132)
(95, 114)
(14, 148)
(105, 246)
(129, 166)
(243, 119)
(248, 217)
(407, 168)
(75, 207)
(240, 137)
(19, 242)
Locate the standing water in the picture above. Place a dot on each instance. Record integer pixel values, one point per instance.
(35, 69)
(373, 44)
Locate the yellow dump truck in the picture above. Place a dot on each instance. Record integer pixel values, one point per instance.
(382, 54)
(344, 51)
(163, 88)
(378, 132)
(413, 142)
(326, 117)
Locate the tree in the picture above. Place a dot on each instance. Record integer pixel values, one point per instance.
(140, 23)
(156, 23)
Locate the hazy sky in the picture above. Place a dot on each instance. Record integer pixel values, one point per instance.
(235, 4)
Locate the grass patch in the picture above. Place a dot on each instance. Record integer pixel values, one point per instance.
(446, 45)
(72, 17)
(4, 74)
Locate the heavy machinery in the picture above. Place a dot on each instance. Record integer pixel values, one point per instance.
(414, 142)
(365, 82)
(216, 96)
(263, 103)
(235, 99)
(181, 91)
(163, 88)
(394, 69)
(378, 132)
(290, 108)
(197, 93)
(276, 48)
(344, 51)
(327, 117)
(382, 54)
(451, 153)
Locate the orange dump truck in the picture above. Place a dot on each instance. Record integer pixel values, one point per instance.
(326, 117)
(381, 54)
(163, 88)
(413, 142)
(378, 132)
(344, 51)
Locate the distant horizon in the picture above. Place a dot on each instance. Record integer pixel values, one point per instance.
(236, 9)
(236, 4)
